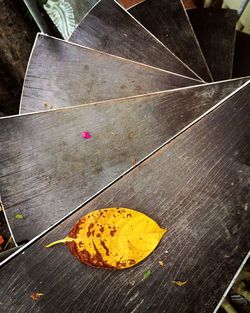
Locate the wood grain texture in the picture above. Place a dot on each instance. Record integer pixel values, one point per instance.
(63, 74)
(215, 30)
(110, 28)
(241, 55)
(47, 169)
(198, 187)
(168, 21)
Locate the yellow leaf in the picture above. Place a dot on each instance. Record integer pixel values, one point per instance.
(114, 238)
(179, 283)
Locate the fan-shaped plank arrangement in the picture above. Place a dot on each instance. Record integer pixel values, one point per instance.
(121, 137)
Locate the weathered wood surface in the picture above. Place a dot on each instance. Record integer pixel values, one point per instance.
(197, 187)
(168, 21)
(110, 28)
(215, 30)
(241, 55)
(63, 74)
(47, 169)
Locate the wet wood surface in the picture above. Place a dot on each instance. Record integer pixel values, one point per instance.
(215, 30)
(110, 28)
(62, 74)
(168, 21)
(196, 186)
(47, 169)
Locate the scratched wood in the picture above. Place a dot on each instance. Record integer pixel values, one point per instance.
(168, 21)
(215, 30)
(241, 55)
(110, 28)
(62, 74)
(47, 169)
(196, 186)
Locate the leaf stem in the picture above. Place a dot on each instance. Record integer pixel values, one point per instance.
(58, 241)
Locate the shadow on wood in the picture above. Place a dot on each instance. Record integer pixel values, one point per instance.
(215, 30)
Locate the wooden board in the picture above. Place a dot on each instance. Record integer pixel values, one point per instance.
(47, 169)
(110, 28)
(130, 3)
(215, 30)
(196, 186)
(168, 21)
(63, 74)
(241, 55)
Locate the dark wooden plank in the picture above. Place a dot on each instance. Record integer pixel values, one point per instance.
(110, 28)
(47, 169)
(241, 55)
(64, 74)
(168, 21)
(215, 30)
(197, 187)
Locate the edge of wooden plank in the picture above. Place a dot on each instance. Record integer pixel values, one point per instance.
(201, 79)
(232, 281)
(8, 223)
(127, 7)
(132, 97)
(198, 44)
(234, 42)
(152, 35)
(25, 246)
(94, 51)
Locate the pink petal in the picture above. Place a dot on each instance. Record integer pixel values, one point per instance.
(86, 135)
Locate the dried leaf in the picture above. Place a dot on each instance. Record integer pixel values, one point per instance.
(114, 238)
(86, 135)
(146, 274)
(179, 283)
(36, 296)
(19, 216)
(161, 263)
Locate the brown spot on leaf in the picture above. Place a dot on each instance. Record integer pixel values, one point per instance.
(91, 225)
(120, 264)
(75, 230)
(105, 247)
(113, 231)
(102, 229)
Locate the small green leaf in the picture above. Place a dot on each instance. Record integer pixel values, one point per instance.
(146, 274)
(19, 216)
